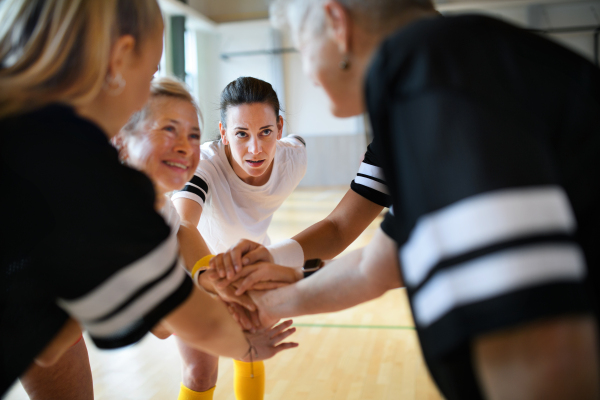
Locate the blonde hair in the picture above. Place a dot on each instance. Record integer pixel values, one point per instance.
(58, 50)
(161, 87)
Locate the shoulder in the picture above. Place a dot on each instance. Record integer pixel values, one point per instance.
(293, 148)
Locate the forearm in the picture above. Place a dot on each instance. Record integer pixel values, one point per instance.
(553, 359)
(65, 338)
(361, 275)
(322, 240)
(328, 238)
(204, 323)
(191, 244)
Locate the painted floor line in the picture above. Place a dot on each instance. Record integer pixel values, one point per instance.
(301, 325)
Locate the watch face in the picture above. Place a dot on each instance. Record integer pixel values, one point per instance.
(312, 265)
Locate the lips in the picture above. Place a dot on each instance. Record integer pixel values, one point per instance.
(255, 163)
(175, 164)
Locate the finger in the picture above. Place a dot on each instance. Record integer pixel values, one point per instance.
(216, 263)
(282, 336)
(276, 330)
(249, 282)
(255, 319)
(242, 247)
(222, 283)
(256, 255)
(242, 317)
(244, 301)
(268, 285)
(228, 263)
(284, 346)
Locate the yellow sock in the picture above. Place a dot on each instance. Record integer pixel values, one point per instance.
(186, 393)
(244, 385)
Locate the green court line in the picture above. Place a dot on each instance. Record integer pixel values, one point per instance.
(301, 325)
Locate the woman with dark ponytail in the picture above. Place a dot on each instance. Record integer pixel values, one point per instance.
(241, 180)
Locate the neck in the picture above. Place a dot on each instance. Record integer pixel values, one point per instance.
(99, 118)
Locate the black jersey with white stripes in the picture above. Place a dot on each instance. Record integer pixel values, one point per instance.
(369, 181)
(80, 238)
(491, 154)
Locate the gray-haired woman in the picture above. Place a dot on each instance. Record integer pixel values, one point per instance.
(487, 136)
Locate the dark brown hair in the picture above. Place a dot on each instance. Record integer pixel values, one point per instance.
(247, 90)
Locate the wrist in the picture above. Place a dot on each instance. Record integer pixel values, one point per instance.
(207, 284)
(288, 253)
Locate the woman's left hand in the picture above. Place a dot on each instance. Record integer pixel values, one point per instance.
(265, 341)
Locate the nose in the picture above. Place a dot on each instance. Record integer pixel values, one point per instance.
(254, 147)
(182, 145)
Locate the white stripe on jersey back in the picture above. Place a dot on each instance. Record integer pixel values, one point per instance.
(119, 324)
(371, 170)
(483, 220)
(497, 274)
(118, 288)
(380, 187)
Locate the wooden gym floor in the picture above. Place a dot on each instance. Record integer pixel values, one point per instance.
(367, 352)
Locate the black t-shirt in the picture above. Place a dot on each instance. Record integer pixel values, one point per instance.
(490, 143)
(79, 237)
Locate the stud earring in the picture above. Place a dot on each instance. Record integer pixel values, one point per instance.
(114, 85)
(345, 63)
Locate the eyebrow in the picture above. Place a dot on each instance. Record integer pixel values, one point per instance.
(194, 128)
(245, 129)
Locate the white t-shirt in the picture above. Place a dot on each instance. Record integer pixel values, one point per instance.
(234, 210)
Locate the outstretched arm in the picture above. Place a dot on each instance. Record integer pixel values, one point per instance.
(361, 275)
(332, 235)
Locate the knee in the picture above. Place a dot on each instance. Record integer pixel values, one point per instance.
(201, 374)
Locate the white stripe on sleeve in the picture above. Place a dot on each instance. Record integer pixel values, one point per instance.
(497, 274)
(140, 307)
(483, 220)
(188, 195)
(380, 187)
(117, 289)
(371, 170)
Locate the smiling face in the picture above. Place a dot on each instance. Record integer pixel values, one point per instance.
(251, 135)
(166, 144)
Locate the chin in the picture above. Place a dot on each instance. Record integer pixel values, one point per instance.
(341, 110)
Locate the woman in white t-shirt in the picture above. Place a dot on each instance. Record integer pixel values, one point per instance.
(241, 180)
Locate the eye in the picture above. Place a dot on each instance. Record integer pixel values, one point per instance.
(169, 128)
(195, 136)
(241, 134)
(267, 132)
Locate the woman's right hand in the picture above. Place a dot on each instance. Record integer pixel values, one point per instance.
(243, 253)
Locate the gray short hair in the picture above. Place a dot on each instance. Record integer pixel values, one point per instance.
(162, 87)
(306, 16)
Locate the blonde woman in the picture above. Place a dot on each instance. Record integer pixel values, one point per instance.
(82, 244)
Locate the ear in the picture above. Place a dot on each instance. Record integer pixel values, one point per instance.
(340, 25)
(122, 54)
(223, 133)
(280, 128)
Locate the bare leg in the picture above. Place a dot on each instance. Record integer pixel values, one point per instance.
(69, 379)
(200, 369)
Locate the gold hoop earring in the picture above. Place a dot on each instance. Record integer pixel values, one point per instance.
(114, 85)
(345, 63)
